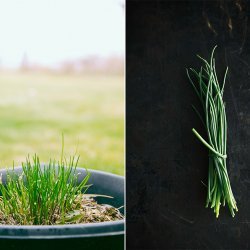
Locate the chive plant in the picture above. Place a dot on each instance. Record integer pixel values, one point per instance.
(41, 195)
(210, 94)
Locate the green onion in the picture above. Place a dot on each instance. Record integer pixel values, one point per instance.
(210, 93)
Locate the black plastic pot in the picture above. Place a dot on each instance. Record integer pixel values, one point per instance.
(103, 235)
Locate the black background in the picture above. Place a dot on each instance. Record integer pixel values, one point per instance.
(165, 162)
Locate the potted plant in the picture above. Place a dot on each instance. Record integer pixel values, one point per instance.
(60, 206)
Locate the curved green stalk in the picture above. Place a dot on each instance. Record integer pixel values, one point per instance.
(207, 145)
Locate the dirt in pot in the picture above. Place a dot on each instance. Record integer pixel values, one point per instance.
(87, 210)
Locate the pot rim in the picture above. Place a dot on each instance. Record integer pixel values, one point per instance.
(83, 230)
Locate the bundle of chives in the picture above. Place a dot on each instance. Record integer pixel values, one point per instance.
(210, 94)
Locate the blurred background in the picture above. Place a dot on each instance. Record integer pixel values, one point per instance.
(62, 71)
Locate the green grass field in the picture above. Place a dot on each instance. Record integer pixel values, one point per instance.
(36, 108)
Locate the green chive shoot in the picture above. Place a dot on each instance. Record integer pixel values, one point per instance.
(41, 194)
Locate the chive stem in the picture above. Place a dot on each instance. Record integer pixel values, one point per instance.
(210, 93)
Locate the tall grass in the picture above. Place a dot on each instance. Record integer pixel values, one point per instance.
(41, 195)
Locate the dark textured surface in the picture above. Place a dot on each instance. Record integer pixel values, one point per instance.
(165, 162)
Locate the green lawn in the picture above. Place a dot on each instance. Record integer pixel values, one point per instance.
(36, 108)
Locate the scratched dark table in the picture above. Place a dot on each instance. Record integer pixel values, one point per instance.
(165, 162)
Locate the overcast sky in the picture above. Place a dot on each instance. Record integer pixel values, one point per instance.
(49, 31)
